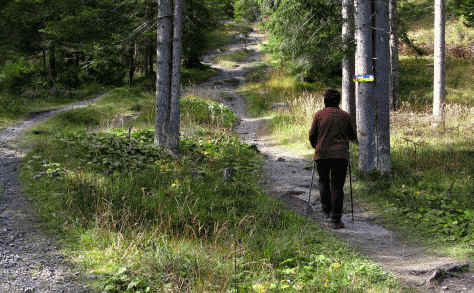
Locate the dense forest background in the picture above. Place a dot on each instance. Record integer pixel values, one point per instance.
(67, 44)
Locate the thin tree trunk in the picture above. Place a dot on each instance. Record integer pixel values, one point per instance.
(52, 65)
(131, 60)
(394, 92)
(173, 139)
(364, 90)
(439, 60)
(163, 74)
(149, 41)
(382, 86)
(45, 66)
(348, 87)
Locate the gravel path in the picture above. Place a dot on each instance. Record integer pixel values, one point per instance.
(288, 178)
(29, 260)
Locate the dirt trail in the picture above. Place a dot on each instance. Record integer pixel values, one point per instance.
(29, 259)
(288, 178)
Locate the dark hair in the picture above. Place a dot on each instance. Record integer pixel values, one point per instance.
(332, 98)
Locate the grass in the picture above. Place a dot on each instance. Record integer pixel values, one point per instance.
(17, 108)
(142, 220)
(429, 194)
(223, 35)
(230, 60)
(418, 17)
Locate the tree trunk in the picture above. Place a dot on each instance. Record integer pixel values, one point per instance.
(382, 86)
(173, 139)
(439, 60)
(52, 65)
(149, 41)
(45, 65)
(131, 60)
(364, 90)
(348, 88)
(163, 74)
(394, 92)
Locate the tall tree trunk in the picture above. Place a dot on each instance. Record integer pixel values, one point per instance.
(149, 41)
(173, 139)
(382, 86)
(45, 65)
(52, 65)
(364, 90)
(348, 87)
(394, 92)
(163, 74)
(131, 60)
(439, 60)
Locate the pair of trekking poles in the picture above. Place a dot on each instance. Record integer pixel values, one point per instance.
(350, 184)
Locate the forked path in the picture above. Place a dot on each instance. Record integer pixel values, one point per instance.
(29, 260)
(288, 178)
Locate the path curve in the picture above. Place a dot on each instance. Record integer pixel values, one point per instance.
(30, 261)
(288, 178)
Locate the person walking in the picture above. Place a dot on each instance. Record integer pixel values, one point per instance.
(330, 133)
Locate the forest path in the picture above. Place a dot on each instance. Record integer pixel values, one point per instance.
(288, 179)
(29, 259)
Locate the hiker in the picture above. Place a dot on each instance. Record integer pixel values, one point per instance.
(330, 133)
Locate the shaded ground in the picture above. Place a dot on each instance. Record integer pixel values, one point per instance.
(29, 259)
(288, 179)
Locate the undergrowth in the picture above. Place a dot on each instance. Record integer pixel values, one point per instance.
(143, 220)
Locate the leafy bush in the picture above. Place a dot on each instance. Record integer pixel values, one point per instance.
(16, 76)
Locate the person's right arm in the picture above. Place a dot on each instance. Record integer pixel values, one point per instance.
(313, 132)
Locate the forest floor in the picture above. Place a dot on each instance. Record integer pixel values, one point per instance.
(30, 261)
(288, 178)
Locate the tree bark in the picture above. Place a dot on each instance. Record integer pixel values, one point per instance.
(52, 73)
(173, 139)
(364, 90)
(348, 87)
(163, 74)
(394, 92)
(131, 60)
(382, 86)
(439, 63)
(149, 41)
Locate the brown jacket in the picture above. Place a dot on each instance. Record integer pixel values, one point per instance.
(330, 133)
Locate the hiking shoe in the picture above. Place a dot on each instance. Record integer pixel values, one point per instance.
(337, 225)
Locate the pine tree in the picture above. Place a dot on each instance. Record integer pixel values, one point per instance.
(366, 103)
(382, 85)
(168, 74)
(348, 93)
(439, 61)
(394, 93)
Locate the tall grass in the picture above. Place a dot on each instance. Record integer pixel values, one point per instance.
(139, 218)
(429, 192)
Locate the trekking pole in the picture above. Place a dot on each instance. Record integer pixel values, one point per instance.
(311, 185)
(350, 184)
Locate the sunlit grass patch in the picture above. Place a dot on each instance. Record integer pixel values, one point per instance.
(264, 89)
(416, 81)
(231, 59)
(223, 35)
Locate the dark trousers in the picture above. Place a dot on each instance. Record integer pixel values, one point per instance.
(332, 175)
